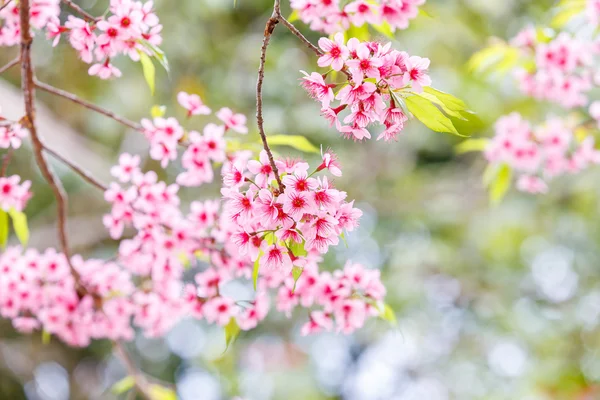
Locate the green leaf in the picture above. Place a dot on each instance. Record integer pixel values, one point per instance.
(293, 16)
(3, 228)
(472, 145)
(387, 313)
(385, 29)
(256, 269)
(124, 385)
(432, 98)
(451, 102)
(499, 57)
(296, 141)
(298, 248)
(424, 13)
(500, 184)
(359, 32)
(149, 71)
(232, 331)
(158, 111)
(343, 236)
(46, 337)
(566, 11)
(158, 392)
(296, 273)
(430, 115)
(157, 53)
(19, 222)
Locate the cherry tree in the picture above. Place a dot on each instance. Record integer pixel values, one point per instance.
(276, 217)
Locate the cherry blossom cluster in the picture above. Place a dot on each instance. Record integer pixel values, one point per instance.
(11, 136)
(202, 150)
(331, 16)
(563, 70)
(14, 194)
(540, 153)
(42, 14)
(378, 78)
(128, 28)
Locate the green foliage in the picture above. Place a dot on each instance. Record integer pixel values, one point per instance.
(498, 58)
(3, 228)
(158, 111)
(232, 331)
(472, 145)
(426, 112)
(293, 16)
(387, 313)
(19, 223)
(566, 11)
(157, 54)
(124, 385)
(296, 141)
(296, 273)
(385, 29)
(297, 248)
(159, 392)
(255, 270)
(46, 337)
(498, 179)
(149, 71)
(359, 32)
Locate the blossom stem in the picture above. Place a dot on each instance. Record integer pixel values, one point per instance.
(70, 96)
(6, 162)
(5, 4)
(77, 169)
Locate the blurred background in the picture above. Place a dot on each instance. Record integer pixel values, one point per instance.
(492, 302)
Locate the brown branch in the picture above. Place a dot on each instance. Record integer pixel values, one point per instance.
(28, 88)
(70, 96)
(77, 169)
(10, 64)
(140, 381)
(270, 26)
(88, 17)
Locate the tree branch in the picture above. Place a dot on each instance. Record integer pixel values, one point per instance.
(6, 162)
(10, 64)
(28, 88)
(5, 4)
(299, 35)
(88, 17)
(270, 26)
(70, 96)
(77, 169)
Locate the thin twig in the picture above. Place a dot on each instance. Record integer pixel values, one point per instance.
(299, 35)
(77, 169)
(5, 5)
(140, 381)
(70, 96)
(270, 26)
(88, 17)
(10, 65)
(28, 88)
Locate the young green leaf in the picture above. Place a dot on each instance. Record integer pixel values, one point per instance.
(387, 313)
(294, 16)
(296, 273)
(3, 229)
(46, 337)
(158, 392)
(566, 11)
(359, 32)
(451, 102)
(19, 222)
(499, 57)
(297, 248)
(256, 269)
(149, 71)
(429, 115)
(232, 331)
(124, 385)
(472, 145)
(296, 141)
(158, 111)
(500, 184)
(156, 53)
